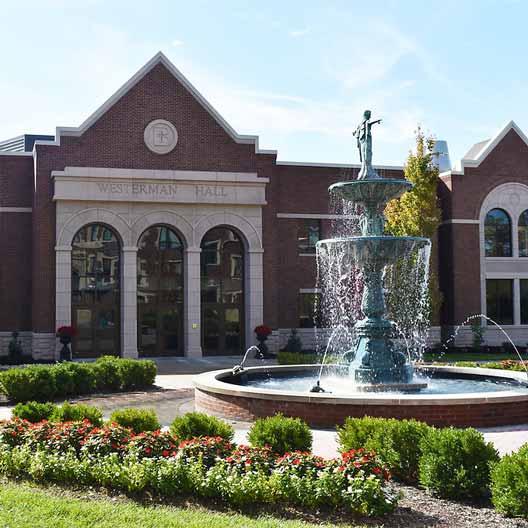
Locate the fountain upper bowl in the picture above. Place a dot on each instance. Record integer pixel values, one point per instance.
(378, 250)
(371, 192)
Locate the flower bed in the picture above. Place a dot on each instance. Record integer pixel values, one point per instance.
(112, 456)
(107, 374)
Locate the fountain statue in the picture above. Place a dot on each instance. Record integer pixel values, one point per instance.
(376, 359)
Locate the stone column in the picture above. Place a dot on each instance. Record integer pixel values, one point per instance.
(191, 310)
(63, 315)
(254, 294)
(129, 303)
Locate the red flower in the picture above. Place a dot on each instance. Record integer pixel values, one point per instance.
(263, 330)
(147, 450)
(357, 464)
(342, 468)
(377, 470)
(297, 461)
(165, 453)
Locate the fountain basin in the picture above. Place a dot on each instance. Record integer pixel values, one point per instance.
(371, 192)
(223, 394)
(377, 250)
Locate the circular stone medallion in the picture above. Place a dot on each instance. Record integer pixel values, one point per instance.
(160, 136)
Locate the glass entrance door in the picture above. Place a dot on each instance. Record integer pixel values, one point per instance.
(95, 292)
(160, 293)
(222, 285)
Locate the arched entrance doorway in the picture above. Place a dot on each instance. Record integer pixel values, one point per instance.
(95, 301)
(160, 292)
(222, 292)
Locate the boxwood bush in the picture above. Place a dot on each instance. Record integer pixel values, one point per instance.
(139, 420)
(196, 425)
(34, 411)
(78, 412)
(456, 463)
(45, 383)
(398, 442)
(281, 434)
(509, 484)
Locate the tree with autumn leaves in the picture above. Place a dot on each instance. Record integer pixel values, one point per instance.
(417, 212)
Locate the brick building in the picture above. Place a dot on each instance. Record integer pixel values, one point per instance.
(155, 229)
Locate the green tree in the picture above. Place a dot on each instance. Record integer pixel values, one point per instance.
(417, 212)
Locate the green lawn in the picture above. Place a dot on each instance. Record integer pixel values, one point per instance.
(452, 357)
(29, 506)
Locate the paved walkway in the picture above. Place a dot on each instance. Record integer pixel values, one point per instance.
(176, 397)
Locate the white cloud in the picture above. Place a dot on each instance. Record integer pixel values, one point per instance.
(299, 33)
(177, 43)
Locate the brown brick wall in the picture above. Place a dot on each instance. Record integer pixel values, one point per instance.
(16, 190)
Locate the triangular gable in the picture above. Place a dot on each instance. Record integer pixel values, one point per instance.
(159, 58)
(486, 147)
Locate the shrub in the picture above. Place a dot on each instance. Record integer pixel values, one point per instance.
(139, 420)
(34, 411)
(195, 425)
(205, 450)
(107, 373)
(397, 442)
(135, 374)
(77, 413)
(281, 434)
(35, 383)
(296, 358)
(509, 484)
(455, 463)
(44, 383)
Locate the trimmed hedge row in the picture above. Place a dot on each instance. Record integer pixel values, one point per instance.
(450, 463)
(107, 374)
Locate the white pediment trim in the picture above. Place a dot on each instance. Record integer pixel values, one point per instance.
(486, 149)
(159, 58)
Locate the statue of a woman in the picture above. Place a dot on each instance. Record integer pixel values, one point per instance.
(364, 144)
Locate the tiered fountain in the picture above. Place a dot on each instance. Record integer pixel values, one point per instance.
(373, 377)
(376, 359)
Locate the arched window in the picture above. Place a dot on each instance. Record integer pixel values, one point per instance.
(160, 292)
(96, 263)
(497, 233)
(222, 277)
(523, 234)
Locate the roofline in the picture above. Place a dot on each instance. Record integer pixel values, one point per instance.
(488, 147)
(15, 153)
(336, 165)
(159, 58)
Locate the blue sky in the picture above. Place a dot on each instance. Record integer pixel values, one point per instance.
(297, 73)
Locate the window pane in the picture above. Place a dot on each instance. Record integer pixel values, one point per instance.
(497, 234)
(308, 235)
(499, 300)
(307, 309)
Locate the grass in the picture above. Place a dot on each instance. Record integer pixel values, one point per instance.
(452, 357)
(27, 505)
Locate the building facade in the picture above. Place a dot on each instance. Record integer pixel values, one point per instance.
(156, 230)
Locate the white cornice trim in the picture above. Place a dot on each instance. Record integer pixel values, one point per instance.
(159, 58)
(316, 216)
(147, 174)
(16, 210)
(336, 165)
(8, 153)
(460, 221)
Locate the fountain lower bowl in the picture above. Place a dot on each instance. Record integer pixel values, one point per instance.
(223, 394)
